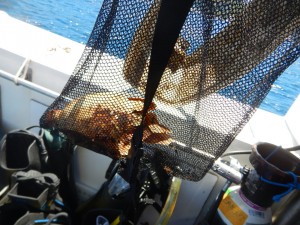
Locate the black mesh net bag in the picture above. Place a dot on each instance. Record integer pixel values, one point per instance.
(188, 73)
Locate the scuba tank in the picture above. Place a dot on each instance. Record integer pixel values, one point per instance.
(275, 174)
(237, 209)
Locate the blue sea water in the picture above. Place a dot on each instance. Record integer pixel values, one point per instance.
(74, 19)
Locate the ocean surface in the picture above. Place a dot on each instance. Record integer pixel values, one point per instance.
(74, 19)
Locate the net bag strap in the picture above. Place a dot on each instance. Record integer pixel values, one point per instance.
(171, 17)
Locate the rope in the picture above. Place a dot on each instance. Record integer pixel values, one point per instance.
(290, 186)
(61, 214)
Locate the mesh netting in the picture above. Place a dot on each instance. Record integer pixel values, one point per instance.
(227, 56)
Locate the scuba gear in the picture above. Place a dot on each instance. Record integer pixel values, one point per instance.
(269, 181)
(21, 150)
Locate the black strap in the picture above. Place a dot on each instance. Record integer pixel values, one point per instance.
(171, 17)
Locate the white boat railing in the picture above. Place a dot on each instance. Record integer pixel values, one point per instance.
(20, 78)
